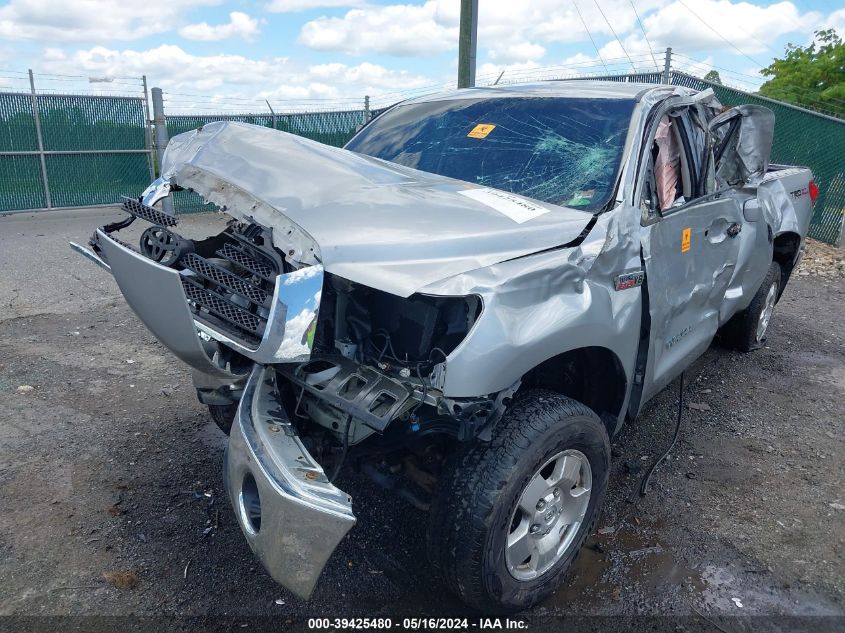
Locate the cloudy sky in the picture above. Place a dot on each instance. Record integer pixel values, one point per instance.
(327, 53)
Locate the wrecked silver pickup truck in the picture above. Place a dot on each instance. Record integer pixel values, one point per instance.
(465, 303)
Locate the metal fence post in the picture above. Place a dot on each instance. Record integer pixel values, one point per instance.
(160, 122)
(148, 136)
(37, 118)
(272, 113)
(366, 109)
(667, 66)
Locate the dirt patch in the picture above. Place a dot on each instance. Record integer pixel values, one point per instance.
(822, 260)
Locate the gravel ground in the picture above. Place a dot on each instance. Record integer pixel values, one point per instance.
(111, 499)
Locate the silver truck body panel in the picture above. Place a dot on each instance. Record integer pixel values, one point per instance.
(154, 293)
(542, 305)
(291, 515)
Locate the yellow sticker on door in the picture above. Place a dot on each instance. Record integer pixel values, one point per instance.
(481, 130)
(686, 238)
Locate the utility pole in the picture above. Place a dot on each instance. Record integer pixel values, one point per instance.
(161, 139)
(467, 43)
(667, 65)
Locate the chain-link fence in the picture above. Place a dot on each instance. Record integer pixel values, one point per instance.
(73, 150)
(68, 150)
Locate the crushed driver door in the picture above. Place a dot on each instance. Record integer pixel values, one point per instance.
(690, 252)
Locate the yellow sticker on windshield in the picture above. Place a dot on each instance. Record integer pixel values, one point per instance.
(686, 239)
(481, 130)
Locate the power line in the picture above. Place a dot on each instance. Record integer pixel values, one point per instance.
(722, 37)
(590, 35)
(596, 2)
(653, 58)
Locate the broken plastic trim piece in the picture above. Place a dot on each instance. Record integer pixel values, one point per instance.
(90, 255)
(158, 189)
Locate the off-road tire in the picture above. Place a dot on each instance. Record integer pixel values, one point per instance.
(741, 331)
(478, 492)
(223, 415)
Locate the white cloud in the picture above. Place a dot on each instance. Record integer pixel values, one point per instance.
(290, 6)
(518, 32)
(511, 32)
(91, 20)
(488, 72)
(239, 25)
(520, 51)
(234, 82)
(751, 28)
(836, 21)
(403, 30)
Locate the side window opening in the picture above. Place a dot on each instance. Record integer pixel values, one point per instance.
(680, 164)
(664, 177)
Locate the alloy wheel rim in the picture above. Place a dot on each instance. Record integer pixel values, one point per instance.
(766, 313)
(550, 510)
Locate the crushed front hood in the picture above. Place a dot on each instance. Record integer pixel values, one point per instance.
(368, 220)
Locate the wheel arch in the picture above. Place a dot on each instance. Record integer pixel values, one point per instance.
(785, 250)
(592, 375)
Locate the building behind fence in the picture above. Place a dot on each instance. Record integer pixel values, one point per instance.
(61, 150)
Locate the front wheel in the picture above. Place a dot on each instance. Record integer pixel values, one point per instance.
(511, 515)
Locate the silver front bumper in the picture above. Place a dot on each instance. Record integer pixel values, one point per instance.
(292, 517)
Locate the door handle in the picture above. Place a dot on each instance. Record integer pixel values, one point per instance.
(734, 229)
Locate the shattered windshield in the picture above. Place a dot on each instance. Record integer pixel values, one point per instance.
(563, 151)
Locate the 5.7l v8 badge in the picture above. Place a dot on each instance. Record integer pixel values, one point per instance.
(629, 280)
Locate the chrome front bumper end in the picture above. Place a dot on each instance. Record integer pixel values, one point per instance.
(291, 516)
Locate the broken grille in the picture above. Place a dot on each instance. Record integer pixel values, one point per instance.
(223, 277)
(203, 299)
(252, 263)
(234, 296)
(153, 216)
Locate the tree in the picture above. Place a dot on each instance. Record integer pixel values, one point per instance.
(811, 76)
(713, 77)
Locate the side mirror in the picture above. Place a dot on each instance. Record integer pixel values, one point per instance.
(743, 143)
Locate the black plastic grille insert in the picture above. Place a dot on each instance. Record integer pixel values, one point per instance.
(254, 264)
(149, 214)
(223, 309)
(223, 277)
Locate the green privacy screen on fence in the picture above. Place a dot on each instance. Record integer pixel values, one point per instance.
(21, 186)
(95, 150)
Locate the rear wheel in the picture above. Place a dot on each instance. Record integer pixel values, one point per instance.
(511, 515)
(746, 331)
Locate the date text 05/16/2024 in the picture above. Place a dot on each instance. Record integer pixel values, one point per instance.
(414, 624)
